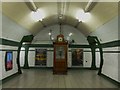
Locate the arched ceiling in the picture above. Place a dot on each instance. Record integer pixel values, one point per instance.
(101, 13)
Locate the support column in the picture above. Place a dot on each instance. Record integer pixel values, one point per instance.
(92, 44)
(18, 59)
(102, 60)
(26, 65)
(93, 64)
(27, 38)
(95, 43)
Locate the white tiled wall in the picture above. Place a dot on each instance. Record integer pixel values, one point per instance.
(14, 32)
(2, 64)
(110, 67)
(11, 30)
(107, 33)
(31, 58)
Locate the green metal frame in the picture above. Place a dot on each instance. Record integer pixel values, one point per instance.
(27, 38)
(95, 43)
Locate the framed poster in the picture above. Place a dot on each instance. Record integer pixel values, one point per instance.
(40, 57)
(77, 57)
(9, 60)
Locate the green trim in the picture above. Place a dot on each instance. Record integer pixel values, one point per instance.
(40, 45)
(79, 46)
(51, 46)
(111, 80)
(111, 44)
(9, 77)
(27, 38)
(45, 67)
(7, 50)
(111, 51)
(8, 42)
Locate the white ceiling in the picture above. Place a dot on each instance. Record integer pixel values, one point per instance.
(21, 14)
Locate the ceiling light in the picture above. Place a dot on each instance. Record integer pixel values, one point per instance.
(52, 38)
(49, 33)
(70, 34)
(68, 38)
(37, 15)
(82, 16)
(22, 48)
(23, 43)
(60, 16)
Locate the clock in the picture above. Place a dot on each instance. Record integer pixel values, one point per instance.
(60, 38)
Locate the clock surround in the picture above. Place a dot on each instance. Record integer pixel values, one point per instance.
(60, 55)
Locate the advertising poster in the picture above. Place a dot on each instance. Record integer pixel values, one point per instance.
(40, 57)
(9, 61)
(77, 57)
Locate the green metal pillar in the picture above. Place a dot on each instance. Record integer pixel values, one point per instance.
(93, 64)
(26, 64)
(27, 38)
(92, 44)
(95, 43)
(18, 58)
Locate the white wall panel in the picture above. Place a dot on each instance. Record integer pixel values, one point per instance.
(98, 59)
(11, 30)
(69, 59)
(2, 64)
(8, 47)
(0, 23)
(22, 58)
(107, 32)
(87, 59)
(110, 67)
(31, 58)
(0, 47)
(50, 59)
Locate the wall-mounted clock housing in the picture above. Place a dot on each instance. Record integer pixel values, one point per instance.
(60, 38)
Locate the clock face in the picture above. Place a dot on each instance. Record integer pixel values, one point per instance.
(60, 39)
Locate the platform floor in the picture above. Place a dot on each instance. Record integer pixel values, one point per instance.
(44, 78)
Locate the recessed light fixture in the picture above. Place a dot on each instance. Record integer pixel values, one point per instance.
(23, 43)
(49, 33)
(22, 48)
(82, 16)
(52, 38)
(37, 15)
(70, 34)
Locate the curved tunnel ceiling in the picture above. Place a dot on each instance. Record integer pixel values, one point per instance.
(99, 15)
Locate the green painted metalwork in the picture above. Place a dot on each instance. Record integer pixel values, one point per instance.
(95, 43)
(27, 38)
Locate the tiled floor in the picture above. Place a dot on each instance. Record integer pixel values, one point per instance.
(44, 78)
